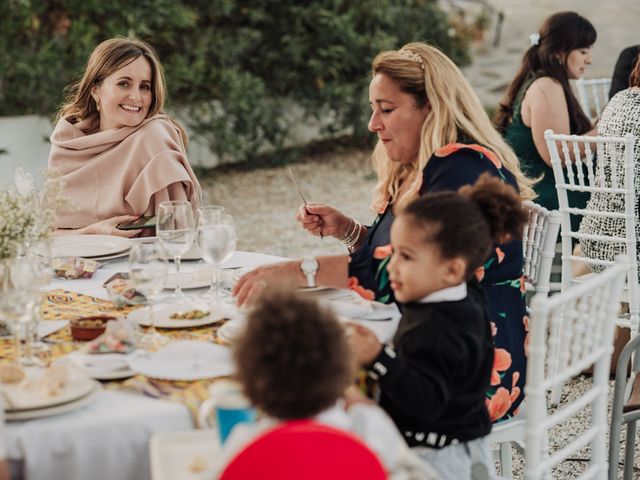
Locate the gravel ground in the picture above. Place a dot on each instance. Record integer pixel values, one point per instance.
(263, 203)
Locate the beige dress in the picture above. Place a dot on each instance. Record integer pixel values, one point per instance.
(121, 171)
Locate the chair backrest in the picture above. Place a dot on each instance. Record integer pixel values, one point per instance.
(587, 318)
(538, 245)
(593, 95)
(305, 450)
(609, 164)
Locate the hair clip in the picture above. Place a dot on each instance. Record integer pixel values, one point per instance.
(535, 39)
(412, 56)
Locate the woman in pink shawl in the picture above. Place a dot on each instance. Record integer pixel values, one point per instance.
(117, 152)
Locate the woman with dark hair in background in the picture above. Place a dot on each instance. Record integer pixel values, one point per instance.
(540, 98)
(622, 70)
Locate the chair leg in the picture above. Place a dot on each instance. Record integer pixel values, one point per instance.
(506, 460)
(629, 450)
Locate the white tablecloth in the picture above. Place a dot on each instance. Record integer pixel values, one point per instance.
(108, 439)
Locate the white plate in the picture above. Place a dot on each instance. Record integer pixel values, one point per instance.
(188, 281)
(174, 453)
(239, 259)
(18, 397)
(184, 360)
(164, 311)
(88, 245)
(230, 331)
(124, 253)
(313, 289)
(102, 366)
(57, 409)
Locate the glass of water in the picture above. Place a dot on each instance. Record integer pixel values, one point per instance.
(217, 240)
(148, 272)
(176, 231)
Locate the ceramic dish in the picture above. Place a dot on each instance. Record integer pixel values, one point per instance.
(88, 246)
(102, 366)
(230, 331)
(57, 409)
(184, 360)
(187, 281)
(33, 393)
(185, 455)
(163, 312)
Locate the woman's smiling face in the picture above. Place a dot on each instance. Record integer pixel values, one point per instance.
(125, 95)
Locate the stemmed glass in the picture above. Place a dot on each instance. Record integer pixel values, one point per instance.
(176, 231)
(40, 253)
(148, 271)
(217, 240)
(207, 215)
(18, 296)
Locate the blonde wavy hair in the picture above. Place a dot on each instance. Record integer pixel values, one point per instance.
(108, 57)
(431, 77)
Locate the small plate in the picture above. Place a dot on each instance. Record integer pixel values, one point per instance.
(164, 311)
(88, 246)
(96, 365)
(19, 398)
(188, 281)
(57, 409)
(230, 331)
(185, 360)
(173, 454)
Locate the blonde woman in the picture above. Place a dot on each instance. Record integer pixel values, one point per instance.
(433, 135)
(118, 153)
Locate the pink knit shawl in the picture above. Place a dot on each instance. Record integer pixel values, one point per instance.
(127, 170)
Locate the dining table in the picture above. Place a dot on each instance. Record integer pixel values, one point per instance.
(109, 436)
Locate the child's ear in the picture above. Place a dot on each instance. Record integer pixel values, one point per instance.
(456, 268)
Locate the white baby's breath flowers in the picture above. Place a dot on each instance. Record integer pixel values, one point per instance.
(27, 219)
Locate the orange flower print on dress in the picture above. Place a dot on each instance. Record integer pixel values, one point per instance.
(454, 147)
(479, 273)
(500, 254)
(501, 362)
(382, 252)
(523, 285)
(365, 293)
(499, 404)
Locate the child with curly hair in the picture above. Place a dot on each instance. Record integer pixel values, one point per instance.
(294, 362)
(434, 375)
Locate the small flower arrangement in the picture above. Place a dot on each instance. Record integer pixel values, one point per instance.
(27, 218)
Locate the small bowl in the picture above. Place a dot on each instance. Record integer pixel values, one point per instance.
(87, 328)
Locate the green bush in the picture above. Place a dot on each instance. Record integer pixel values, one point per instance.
(230, 64)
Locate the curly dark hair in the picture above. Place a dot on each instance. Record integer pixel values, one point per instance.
(487, 212)
(293, 359)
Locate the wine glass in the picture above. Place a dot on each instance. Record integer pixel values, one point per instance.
(18, 297)
(217, 241)
(148, 271)
(176, 231)
(207, 215)
(40, 253)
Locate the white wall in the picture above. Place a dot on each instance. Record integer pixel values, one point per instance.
(26, 140)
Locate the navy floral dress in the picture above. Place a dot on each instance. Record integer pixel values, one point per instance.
(450, 168)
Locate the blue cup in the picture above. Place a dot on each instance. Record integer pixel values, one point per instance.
(229, 417)
(225, 408)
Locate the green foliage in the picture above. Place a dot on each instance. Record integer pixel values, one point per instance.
(231, 64)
